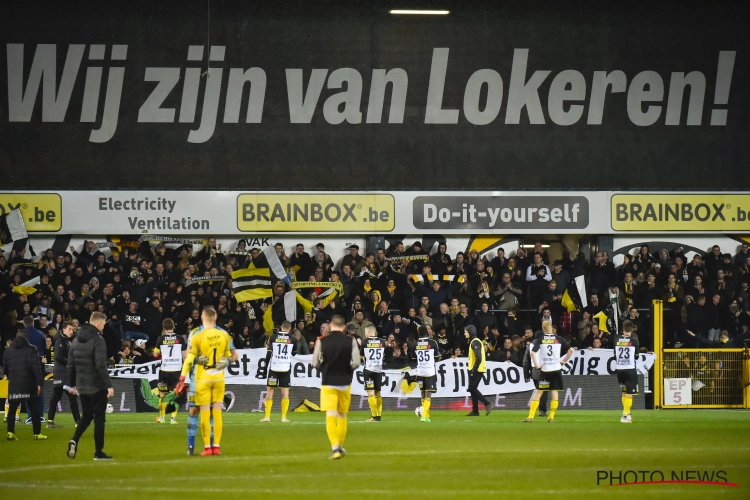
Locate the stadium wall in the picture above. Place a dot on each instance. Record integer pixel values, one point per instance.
(582, 393)
(486, 245)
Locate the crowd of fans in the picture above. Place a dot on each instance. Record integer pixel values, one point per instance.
(396, 289)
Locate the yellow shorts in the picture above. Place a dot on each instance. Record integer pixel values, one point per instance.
(332, 399)
(209, 391)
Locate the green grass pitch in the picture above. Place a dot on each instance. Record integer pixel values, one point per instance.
(452, 457)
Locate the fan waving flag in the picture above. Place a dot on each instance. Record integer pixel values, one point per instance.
(252, 284)
(574, 297)
(27, 288)
(257, 280)
(12, 227)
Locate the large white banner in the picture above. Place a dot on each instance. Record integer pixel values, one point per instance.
(452, 377)
(602, 362)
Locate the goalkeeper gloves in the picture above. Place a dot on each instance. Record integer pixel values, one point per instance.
(180, 387)
(222, 363)
(201, 360)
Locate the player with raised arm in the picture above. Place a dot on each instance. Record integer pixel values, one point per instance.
(281, 347)
(546, 355)
(172, 351)
(626, 353)
(373, 351)
(336, 356)
(426, 353)
(209, 378)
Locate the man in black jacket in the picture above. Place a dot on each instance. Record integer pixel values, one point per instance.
(88, 376)
(60, 375)
(477, 367)
(21, 366)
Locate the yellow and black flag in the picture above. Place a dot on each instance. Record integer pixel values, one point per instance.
(574, 297)
(256, 282)
(252, 284)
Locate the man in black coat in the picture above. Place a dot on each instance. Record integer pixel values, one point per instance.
(60, 375)
(21, 366)
(88, 376)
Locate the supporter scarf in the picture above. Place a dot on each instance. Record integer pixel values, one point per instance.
(331, 285)
(15, 266)
(376, 302)
(366, 271)
(106, 244)
(202, 280)
(439, 277)
(408, 258)
(391, 289)
(170, 239)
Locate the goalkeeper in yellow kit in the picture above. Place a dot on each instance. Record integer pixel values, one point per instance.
(211, 345)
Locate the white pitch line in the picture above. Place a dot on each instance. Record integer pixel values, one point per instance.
(317, 490)
(356, 454)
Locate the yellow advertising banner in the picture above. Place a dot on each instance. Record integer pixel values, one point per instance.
(315, 212)
(680, 212)
(42, 212)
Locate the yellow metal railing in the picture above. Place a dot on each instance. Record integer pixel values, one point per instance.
(718, 376)
(658, 329)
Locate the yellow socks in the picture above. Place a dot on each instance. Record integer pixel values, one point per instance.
(533, 408)
(379, 406)
(332, 430)
(373, 400)
(426, 407)
(284, 407)
(174, 413)
(552, 409)
(206, 428)
(218, 426)
(162, 408)
(341, 427)
(627, 404)
(269, 404)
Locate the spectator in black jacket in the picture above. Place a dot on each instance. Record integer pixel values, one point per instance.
(87, 374)
(135, 324)
(21, 366)
(63, 340)
(485, 319)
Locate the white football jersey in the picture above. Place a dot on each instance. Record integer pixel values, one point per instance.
(550, 349)
(426, 352)
(626, 353)
(281, 346)
(373, 350)
(170, 347)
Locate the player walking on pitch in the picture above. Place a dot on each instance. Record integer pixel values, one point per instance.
(626, 352)
(281, 348)
(209, 378)
(336, 356)
(373, 351)
(171, 349)
(477, 367)
(545, 354)
(426, 353)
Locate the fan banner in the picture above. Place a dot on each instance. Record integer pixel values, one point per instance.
(452, 379)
